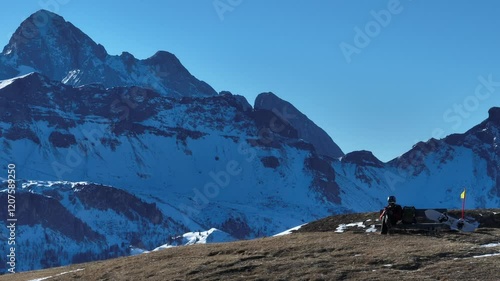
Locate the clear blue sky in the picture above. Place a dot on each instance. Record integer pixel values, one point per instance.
(413, 76)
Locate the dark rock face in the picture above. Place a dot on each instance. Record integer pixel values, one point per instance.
(38, 209)
(48, 44)
(103, 198)
(362, 158)
(324, 178)
(237, 227)
(306, 129)
(18, 132)
(270, 162)
(496, 191)
(301, 144)
(455, 139)
(240, 100)
(494, 115)
(59, 139)
(269, 123)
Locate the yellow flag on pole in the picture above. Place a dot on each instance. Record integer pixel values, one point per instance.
(462, 196)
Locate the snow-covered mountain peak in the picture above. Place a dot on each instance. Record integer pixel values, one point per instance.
(45, 42)
(38, 25)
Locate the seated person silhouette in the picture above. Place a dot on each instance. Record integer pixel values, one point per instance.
(391, 214)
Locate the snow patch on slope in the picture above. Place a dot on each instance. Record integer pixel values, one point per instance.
(62, 273)
(343, 227)
(490, 245)
(212, 235)
(289, 231)
(487, 255)
(6, 82)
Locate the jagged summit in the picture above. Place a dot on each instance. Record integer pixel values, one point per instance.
(45, 42)
(362, 158)
(307, 129)
(494, 115)
(36, 25)
(162, 56)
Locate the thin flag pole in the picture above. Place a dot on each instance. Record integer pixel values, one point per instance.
(463, 203)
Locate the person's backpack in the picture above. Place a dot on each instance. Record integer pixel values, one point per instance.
(409, 215)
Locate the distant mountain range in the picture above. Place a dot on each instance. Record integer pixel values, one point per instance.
(114, 153)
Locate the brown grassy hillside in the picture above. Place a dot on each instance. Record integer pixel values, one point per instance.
(313, 253)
